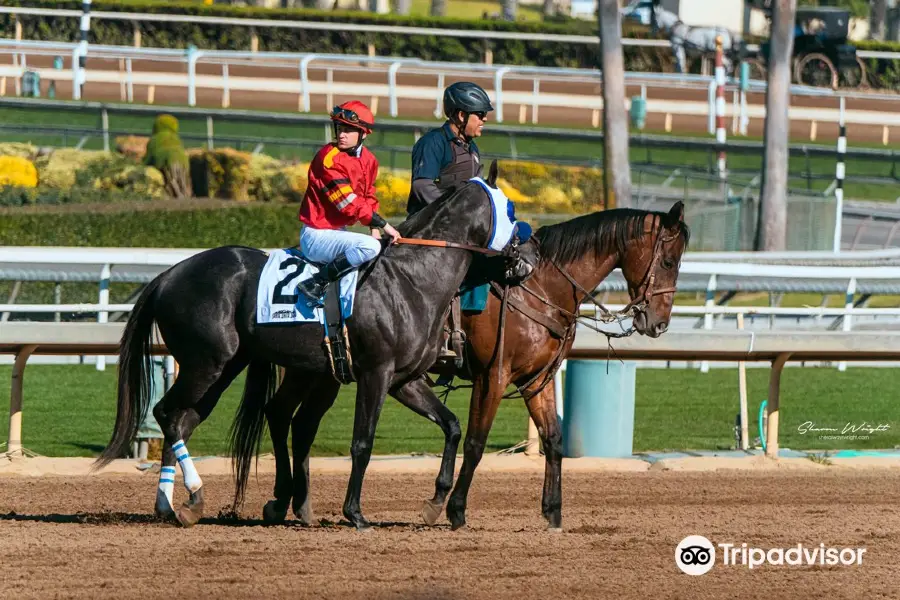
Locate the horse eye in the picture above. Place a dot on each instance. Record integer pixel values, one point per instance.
(668, 263)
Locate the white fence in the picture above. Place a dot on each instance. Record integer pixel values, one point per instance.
(547, 87)
(24, 339)
(135, 19)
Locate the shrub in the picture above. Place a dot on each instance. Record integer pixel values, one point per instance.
(392, 192)
(166, 152)
(226, 172)
(132, 146)
(17, 171)
(18, 149)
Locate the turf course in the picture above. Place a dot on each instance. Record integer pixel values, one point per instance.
(69, 411)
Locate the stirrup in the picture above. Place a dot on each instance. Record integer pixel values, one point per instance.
(313, 291)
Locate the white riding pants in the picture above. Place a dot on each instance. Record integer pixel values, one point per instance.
(324, 245)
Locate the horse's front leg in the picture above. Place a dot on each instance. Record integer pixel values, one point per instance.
(542, 408)
(680, 58)
(487, 392)
(370, 393)
(418, 397)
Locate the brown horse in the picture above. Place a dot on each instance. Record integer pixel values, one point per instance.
(539, 329)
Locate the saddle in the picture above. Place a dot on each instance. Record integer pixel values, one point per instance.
(336, 343)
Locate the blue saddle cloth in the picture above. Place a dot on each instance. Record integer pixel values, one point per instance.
(474, 299)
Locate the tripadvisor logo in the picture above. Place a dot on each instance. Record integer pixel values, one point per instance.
(696, 555)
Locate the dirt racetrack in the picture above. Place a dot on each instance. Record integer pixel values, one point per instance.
(92, 537)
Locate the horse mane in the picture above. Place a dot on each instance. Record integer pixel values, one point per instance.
(598, 233)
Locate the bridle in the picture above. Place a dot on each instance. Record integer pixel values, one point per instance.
(639, 304)
(566, 332)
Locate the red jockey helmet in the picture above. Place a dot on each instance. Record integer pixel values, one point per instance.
(354, 113)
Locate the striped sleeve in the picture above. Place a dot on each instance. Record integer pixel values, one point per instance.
(336, 184)
(337, 187)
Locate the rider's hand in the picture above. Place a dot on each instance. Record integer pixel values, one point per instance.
(376, 234)
(389, 229)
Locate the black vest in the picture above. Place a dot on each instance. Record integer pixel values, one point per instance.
(463, 166)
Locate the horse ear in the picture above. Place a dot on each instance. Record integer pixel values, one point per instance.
(677, 212)
(492, 174)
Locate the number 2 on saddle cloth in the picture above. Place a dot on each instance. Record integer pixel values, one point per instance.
(336, 344)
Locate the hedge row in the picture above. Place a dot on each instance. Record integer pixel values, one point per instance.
(259, 225)
(426, 47)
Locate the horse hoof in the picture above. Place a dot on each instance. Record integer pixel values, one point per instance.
(272, 513)
(304, 514)
(189, 515)
(431, 512)
(360, 524)
(163, 509)
(191, 511)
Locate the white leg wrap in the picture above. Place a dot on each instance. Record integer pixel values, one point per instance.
(191, 477)
(167, 482)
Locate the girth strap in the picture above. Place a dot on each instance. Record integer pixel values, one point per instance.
(557, 329)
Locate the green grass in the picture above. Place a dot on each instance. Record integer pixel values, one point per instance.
(70, 410)
(462, 9)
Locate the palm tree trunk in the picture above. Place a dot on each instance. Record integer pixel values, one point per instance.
(402, 6)
(772, 232)
(616, 168)
(509, 9)
(877, 19)
(549, 8)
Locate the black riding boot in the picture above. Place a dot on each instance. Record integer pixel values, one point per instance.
(314, 287)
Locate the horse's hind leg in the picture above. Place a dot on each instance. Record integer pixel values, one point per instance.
(304, 426)
(417, 396)
(279, 411)
(542, 408)
(187, 404)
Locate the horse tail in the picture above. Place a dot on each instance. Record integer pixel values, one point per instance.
(249, 421)
(134, 373)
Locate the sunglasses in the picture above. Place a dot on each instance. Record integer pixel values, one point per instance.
(480, 114)
(342, 113)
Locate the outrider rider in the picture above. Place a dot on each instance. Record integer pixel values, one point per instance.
(446, 158)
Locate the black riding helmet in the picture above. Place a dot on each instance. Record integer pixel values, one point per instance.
(467, 97)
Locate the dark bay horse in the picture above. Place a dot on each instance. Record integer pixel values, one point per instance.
(576, 256)
(539, 329)
(205, 308)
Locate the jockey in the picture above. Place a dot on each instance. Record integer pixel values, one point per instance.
(341, 192)
(447, 156)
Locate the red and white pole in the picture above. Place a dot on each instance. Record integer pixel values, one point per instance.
(720, 106)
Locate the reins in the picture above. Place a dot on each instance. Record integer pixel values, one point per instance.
(443, 244)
